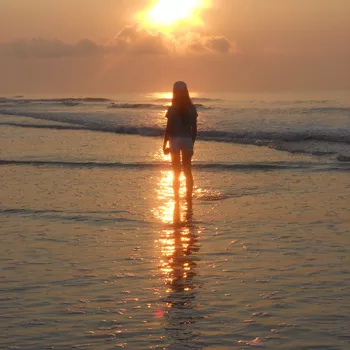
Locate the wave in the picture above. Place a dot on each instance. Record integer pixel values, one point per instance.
(285, 111)
(291, 102)
(254, 166)
(44, 126)
(81, 164)
(324, 110)
(326, 142)
(312, 101)
(194, 99)
(69, 100)
(343, 158)
(70, 103)
(55, 211)
(135, 106)
(148, 106)
(256, 102)
(206, 99)
(88, 216)
(266, 137)
(259, 138)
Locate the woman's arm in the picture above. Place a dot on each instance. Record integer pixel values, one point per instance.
(194, 132)
(166, 136)
(194, 126)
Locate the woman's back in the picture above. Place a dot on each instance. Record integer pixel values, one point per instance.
(181, 122)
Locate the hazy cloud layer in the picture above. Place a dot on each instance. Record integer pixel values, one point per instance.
(136, 40)
(43, 48)
(195, 42)
(131, 40)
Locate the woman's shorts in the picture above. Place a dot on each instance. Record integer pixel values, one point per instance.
(178, 144)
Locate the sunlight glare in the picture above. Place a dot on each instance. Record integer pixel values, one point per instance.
(164, 95)
(166, 13)
(176, 242)
(165, 194)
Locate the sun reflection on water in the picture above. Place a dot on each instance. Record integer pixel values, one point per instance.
(178, 244)
(167, 96)
(165, 196)
(177, 240)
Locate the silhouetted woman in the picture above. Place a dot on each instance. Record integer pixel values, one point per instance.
(181, 132)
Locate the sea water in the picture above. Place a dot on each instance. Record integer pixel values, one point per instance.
(96, 254)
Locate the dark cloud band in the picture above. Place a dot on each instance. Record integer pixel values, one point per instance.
(130, 40)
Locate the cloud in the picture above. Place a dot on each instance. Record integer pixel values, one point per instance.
(136, 40)
(131, 40)
(195, 42)
(43, 48)
(219, 44)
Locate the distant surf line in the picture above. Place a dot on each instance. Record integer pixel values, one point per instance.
(253, 166)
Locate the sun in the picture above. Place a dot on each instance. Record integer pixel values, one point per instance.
(167, 13)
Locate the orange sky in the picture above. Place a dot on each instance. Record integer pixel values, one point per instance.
(95, 46)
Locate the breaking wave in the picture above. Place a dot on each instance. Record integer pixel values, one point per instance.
(53, 100)
(259, 138)
(256, 166)
(135, 105)
(148, 106)
(291, 126)
(262, 138)
(194, 99)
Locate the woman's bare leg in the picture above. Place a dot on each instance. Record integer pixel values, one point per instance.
(176, 165)
(187, 166)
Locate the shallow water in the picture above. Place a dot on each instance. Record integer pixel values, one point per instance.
(99, 256)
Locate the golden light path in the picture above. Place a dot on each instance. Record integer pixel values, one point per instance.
(177, 246)
(166, 97)
(167, 13)
(177, 240)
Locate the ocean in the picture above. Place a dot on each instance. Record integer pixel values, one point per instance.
(96, 255)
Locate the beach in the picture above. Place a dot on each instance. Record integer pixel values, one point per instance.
(96, 254)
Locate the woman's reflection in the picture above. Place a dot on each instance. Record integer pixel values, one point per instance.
(179, 245)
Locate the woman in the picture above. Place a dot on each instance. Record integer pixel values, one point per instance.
(181, 132)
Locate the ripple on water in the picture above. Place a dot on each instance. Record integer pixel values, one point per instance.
(83, 346)
(271, 295)
(217, 309)
(257, 342)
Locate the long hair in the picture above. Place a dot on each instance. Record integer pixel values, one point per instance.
(181, 99)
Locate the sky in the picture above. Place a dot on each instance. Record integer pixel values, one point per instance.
(114, 46)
